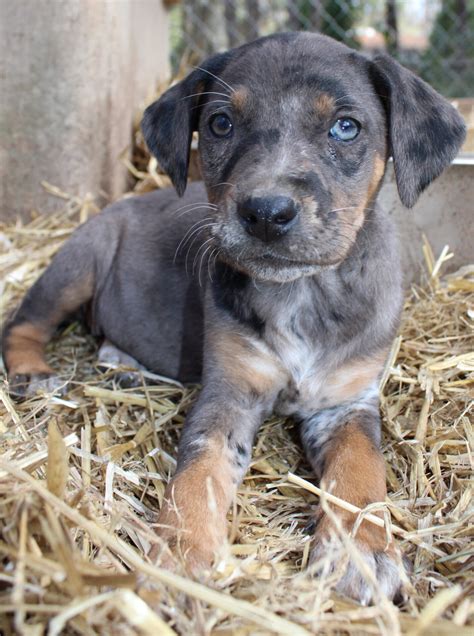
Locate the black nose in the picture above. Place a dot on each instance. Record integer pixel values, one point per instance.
(267, 218)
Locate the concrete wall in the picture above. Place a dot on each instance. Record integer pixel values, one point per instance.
(444, 212)
(72, 74)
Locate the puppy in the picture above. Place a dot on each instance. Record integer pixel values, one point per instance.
(277, 281)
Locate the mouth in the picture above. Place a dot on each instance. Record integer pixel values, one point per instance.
(280, 260)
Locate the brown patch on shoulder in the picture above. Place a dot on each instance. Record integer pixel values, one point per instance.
(324, 104)
(356, 470)
(193, 516)
(24, 349)
(244, 365)
(353, 378)
(239, 97)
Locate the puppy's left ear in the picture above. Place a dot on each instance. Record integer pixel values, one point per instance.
(168, 124)
(425, 131)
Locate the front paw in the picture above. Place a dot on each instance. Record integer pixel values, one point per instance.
(192, 545)
(367, 568)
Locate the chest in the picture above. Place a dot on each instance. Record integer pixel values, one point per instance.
(321, 365)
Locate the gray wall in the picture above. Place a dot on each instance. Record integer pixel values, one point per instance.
(444, 212)
(72, 74)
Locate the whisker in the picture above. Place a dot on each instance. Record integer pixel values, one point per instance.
(204, 93)
(214, 101)
(205, 227)
(209, 261)
(218, 253)
(187, 235)
(197, 207)
(223, 183)
(201, 262)
(219, 79)
(188, 205)
(196, 256)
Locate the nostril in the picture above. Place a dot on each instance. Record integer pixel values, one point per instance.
(251, 219)
(267, 218)
(283, 218)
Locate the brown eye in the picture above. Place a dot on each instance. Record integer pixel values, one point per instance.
(220, 125)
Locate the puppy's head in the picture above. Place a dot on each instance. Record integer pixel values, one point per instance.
(294, 134)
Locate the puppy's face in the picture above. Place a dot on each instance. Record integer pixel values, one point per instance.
(294, 133)
(292, 148)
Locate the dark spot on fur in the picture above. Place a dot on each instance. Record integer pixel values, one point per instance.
(229, 287)
(267, 138)
(295, 328)
(417, 150)
(242, 148)
(270, 137)
(350, 166)
(336, 316)
(316, 188)
(241, 450)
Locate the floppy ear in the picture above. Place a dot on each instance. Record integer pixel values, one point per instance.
(425, 131)
(168, 123)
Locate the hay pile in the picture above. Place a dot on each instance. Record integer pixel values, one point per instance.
(74, 529)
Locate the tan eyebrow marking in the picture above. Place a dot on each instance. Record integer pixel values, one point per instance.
(324, 104)
(239, 97)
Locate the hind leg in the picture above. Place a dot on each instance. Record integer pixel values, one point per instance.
(111, 357)
(66, 285)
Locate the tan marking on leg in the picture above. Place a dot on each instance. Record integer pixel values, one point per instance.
(354, 470)
(25, 343)
(244, 365)
(239, 97)
(353, 378)
(24, 349)
(72, 297)
(193, 516)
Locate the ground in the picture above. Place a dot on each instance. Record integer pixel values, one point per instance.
(75, 526)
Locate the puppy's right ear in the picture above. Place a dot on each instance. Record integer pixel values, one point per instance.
(168, 124)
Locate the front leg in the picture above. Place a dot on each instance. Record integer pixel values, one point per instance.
(343, 446)
(214, 453)
(215, 447)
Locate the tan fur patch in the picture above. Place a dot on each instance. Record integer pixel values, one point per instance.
(25, 343)
(244, 365)
(73, 296)
(310, 209)
(324, 104)
(353, 378)
(239, 98)
(24, 349)
(377, 174)
(356, 470)
(195, 507)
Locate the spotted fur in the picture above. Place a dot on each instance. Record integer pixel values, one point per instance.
(300, 324)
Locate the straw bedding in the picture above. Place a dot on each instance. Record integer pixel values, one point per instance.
(82, 477)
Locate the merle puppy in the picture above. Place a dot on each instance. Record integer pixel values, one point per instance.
(276, 280)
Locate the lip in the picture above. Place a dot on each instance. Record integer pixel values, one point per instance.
(281, 260)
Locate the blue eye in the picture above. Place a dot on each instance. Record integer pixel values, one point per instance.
(221, 125)
(345, 129)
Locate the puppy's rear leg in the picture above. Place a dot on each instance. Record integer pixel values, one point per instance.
(111, 357)
(67, 284)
